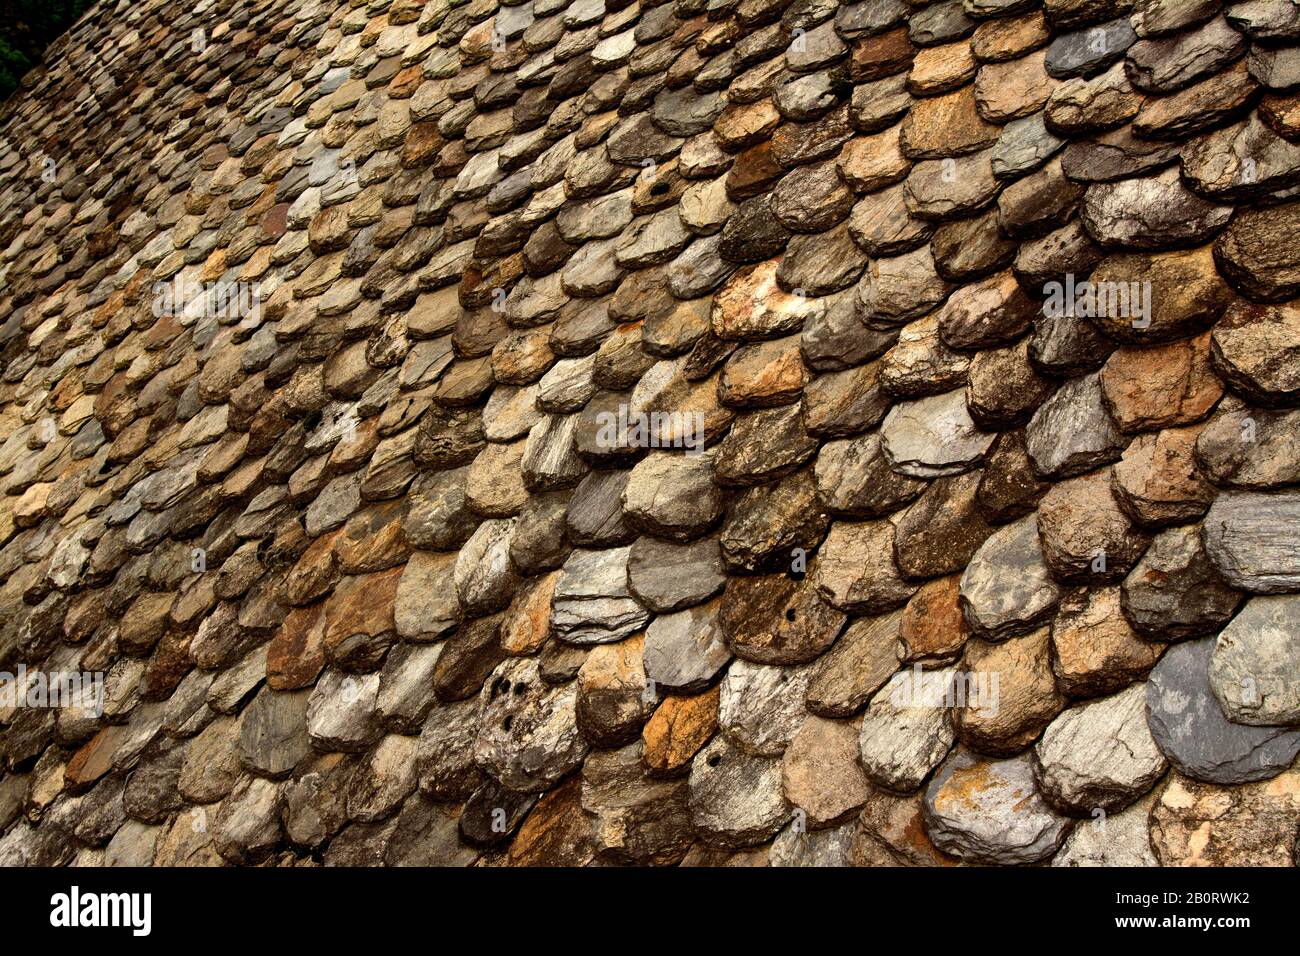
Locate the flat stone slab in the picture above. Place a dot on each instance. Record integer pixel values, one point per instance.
(1189, 725)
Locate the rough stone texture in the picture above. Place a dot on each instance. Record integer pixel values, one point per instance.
(1002, 718)
(528, 736)
(1189, 725)
(1253, 668)
(1175, 592)
(1247, 537)
(1198, 824)
(1111, 839)
(820, 772)
(736, 800)
(1094, 648)
(417, 411)
(1099, 755)
(990, 812)
(1006, 589)
(1072, 432)
(1254, 351)
(903, 735)
(1086, 537)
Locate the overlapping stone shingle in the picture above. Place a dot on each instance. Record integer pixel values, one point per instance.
(653, 433)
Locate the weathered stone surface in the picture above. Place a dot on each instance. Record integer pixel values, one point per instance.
(1247, 539)
(341, 712)
(426, 605)
(920, 363)
(483, 577)
(1203, 106)
(1175, 592)
(1013, 89)
(940, 532)
(948, 125)
(1099, 755)
(871, 163)
(1157, 480)
(906, 731)
(1072, 432)
(1161, 17)
(777, 618)
(761, 706)
(1168, 65)
(891, 832)
(686, 650)
(878, 104)
(993, 312)
(1256, 257)
(1252, 670)
(1198, 824)
(528, 735)
(1004, 720)
(1189, 725)
(951, 188)
(1006, 589)
(385, 777)
(752, 305)
(1094, 649)
(1153, 213)
(1039, 203)
(855, 668)
(736, 800)
(874, 274)
(766, 525)
(1244, 447)
(592, 603)
(1086, 536)
(1254, 350)
(881, 225)
(820, 772)
(933, 629)
(856, 572)
(1241, 161)
(934, 436)
(273, 733)
(1004, 388)
(638, 820)
(1082, 106)
(445, 765)
(676, 731)
(855, 479)
(1024, 145)
(614, 695)
(973, 248)
(1111, 839)
(1088, 52)
(668, 577)
(990, 812)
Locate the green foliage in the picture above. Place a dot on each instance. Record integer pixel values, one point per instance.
(26, 28)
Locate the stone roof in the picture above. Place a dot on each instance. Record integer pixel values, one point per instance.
(704, 432)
